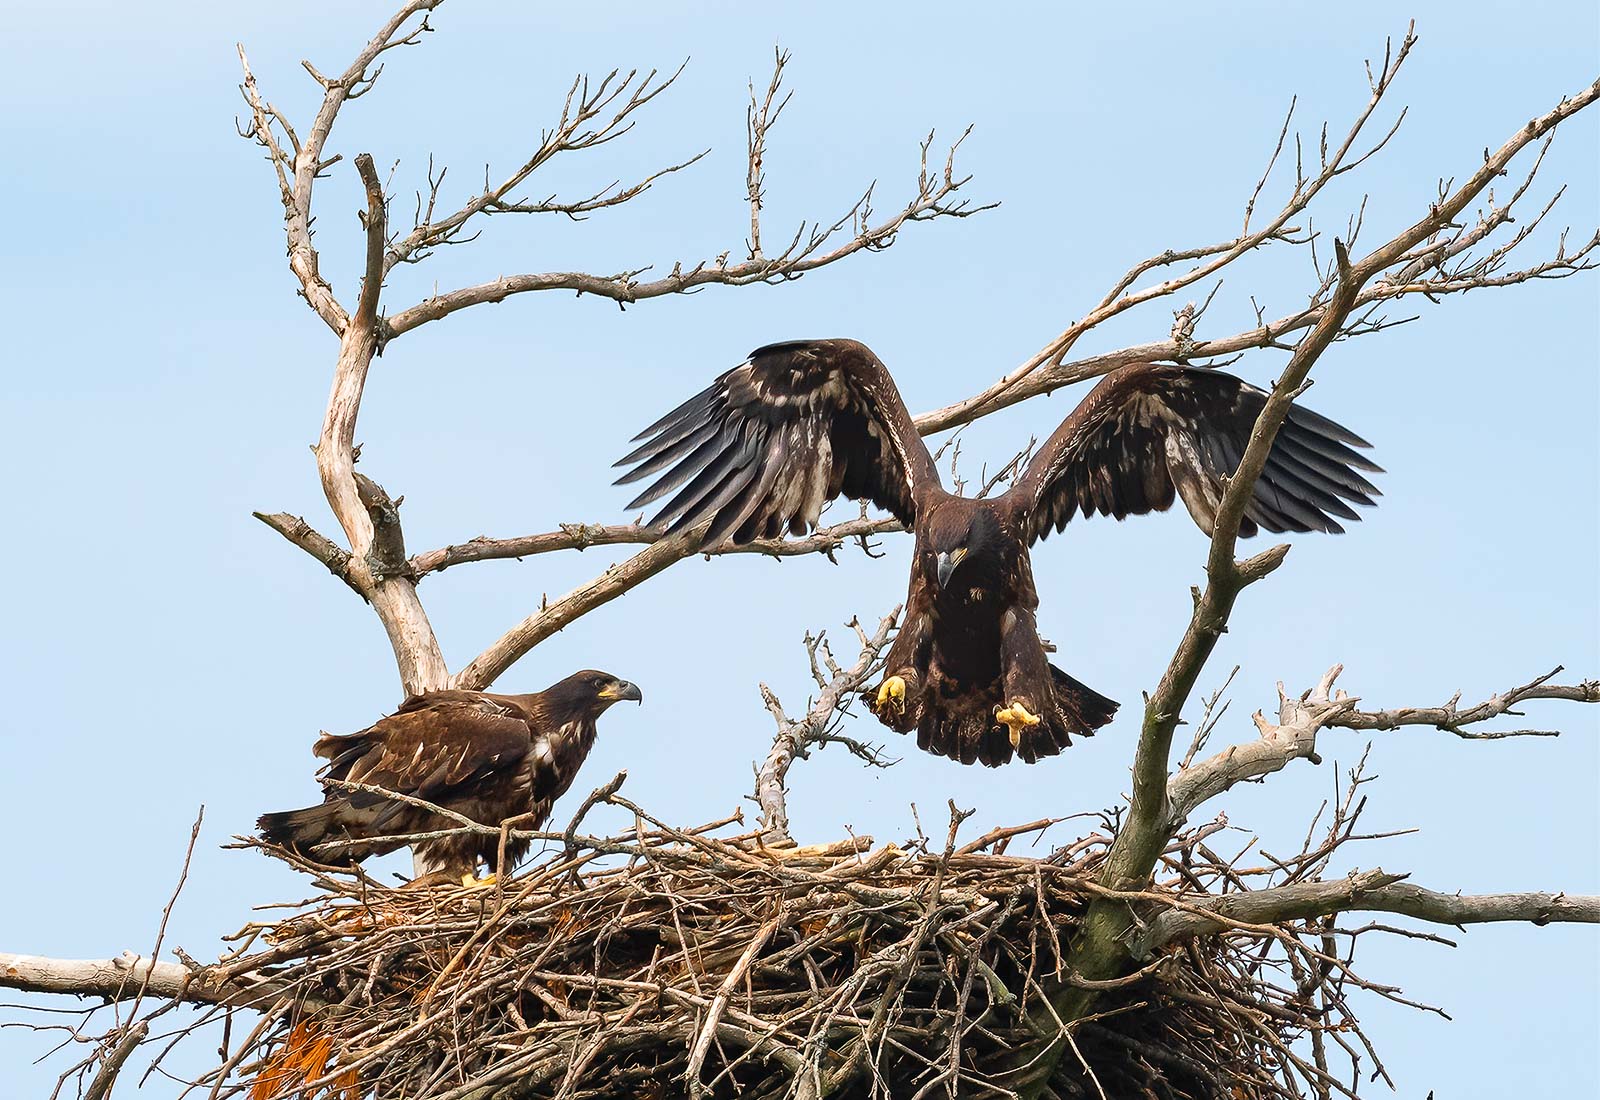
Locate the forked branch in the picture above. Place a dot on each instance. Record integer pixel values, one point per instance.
(1300, 718)
(576, 130)
(1453, 718)
(796, 737)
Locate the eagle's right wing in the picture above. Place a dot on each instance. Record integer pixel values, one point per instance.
(777, 437)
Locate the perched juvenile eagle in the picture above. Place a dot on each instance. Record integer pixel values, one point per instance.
(777, 437)
(487, 757)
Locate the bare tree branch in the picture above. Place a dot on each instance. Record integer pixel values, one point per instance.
(759, 119)
(114, 979)
(1294, 736)
(392, 595)
(1453, 719)
(1365, 891)
(299, 166)
(572, 133)
(1048, 370)
(580, 536)
(1212, 258)
(313, 542)
(807, 251)
(796, 737)
(100, 1087)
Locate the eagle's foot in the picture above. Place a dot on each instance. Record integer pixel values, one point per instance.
(470, 881)
(892, 694)
(1016, 718)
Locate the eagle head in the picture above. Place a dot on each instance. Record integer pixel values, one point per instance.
(592, 691)
(964, 535)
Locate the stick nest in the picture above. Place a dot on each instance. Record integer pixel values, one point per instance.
(665, 963)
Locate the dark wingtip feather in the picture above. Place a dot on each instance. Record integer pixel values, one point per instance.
(638, 502)
(705, 395)
(1315, 421)
(1332, 438)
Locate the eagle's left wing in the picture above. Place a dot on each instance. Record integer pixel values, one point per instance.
(1150, 433)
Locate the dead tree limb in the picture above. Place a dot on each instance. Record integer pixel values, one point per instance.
(106, 1076)
(1364, 892)
(796, 737)
(113, 979)
(808, 250)
(1294, 735)
(594, 113)
(1452, 718)
(581, 536)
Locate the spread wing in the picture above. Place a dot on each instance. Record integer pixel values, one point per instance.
(771, 441)
(438, 750)
(1149, 433)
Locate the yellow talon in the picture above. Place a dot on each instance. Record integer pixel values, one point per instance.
(471, 881)
(893, 693)
(1016, 718)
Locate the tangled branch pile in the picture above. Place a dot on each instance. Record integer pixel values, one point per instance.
(666, 962)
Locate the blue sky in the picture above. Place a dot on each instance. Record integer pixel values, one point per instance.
(166, 650)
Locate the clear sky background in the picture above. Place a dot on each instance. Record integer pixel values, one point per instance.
(163, 649)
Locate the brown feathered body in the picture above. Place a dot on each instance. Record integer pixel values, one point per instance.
(970, 646)
(766, 446)
(485, 756)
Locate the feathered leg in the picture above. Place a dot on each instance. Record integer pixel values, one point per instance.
(1028, 710)
(898, 701)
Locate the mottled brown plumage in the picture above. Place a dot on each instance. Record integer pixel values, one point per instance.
(487, 757)
(773, 440)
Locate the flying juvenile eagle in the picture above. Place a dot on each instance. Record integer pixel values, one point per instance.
(487, 757)
(777, 437)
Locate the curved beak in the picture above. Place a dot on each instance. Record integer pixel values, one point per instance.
(947, 564)
(622, 689)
